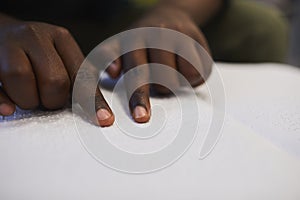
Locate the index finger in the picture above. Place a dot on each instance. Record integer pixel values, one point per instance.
(138, 93)
(72, 58)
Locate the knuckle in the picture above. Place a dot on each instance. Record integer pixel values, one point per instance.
(29, 28)
(61, 31)
(57, 84)
(162, 25)
(17, 72)
(179, 27)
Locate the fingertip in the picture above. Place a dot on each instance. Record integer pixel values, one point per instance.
(113, 70)
(105, 117)
(140, 114)
(6, 109)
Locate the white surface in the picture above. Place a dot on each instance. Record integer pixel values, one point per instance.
(266, 98)
(257, 156)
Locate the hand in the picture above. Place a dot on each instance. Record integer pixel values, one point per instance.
(38, 65)
(165, 17)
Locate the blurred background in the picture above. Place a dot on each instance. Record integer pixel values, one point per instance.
(248, 31)
(291, 10)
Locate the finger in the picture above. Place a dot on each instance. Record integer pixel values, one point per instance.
(72, 58)
(6, 105)
(194, 66)
(203, 52)
(114, 69)
(18, 79)
(52, 78)
(139, 100)
(200, 38)
(189, 72)
(109, 51)
(68, 50)
(168, 78)
(89, 97)
(105, 116)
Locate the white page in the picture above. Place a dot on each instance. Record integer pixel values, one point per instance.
(266, 98)
(42, 158)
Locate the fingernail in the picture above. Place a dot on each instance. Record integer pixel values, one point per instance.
(6, 109)
(103, 114)
(139, 112)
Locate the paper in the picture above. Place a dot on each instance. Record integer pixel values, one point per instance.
(42, 157)
(266, 98)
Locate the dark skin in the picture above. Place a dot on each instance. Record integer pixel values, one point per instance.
(39, 61)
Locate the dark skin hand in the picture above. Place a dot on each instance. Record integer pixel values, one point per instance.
(171, 18)
(39, 63)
